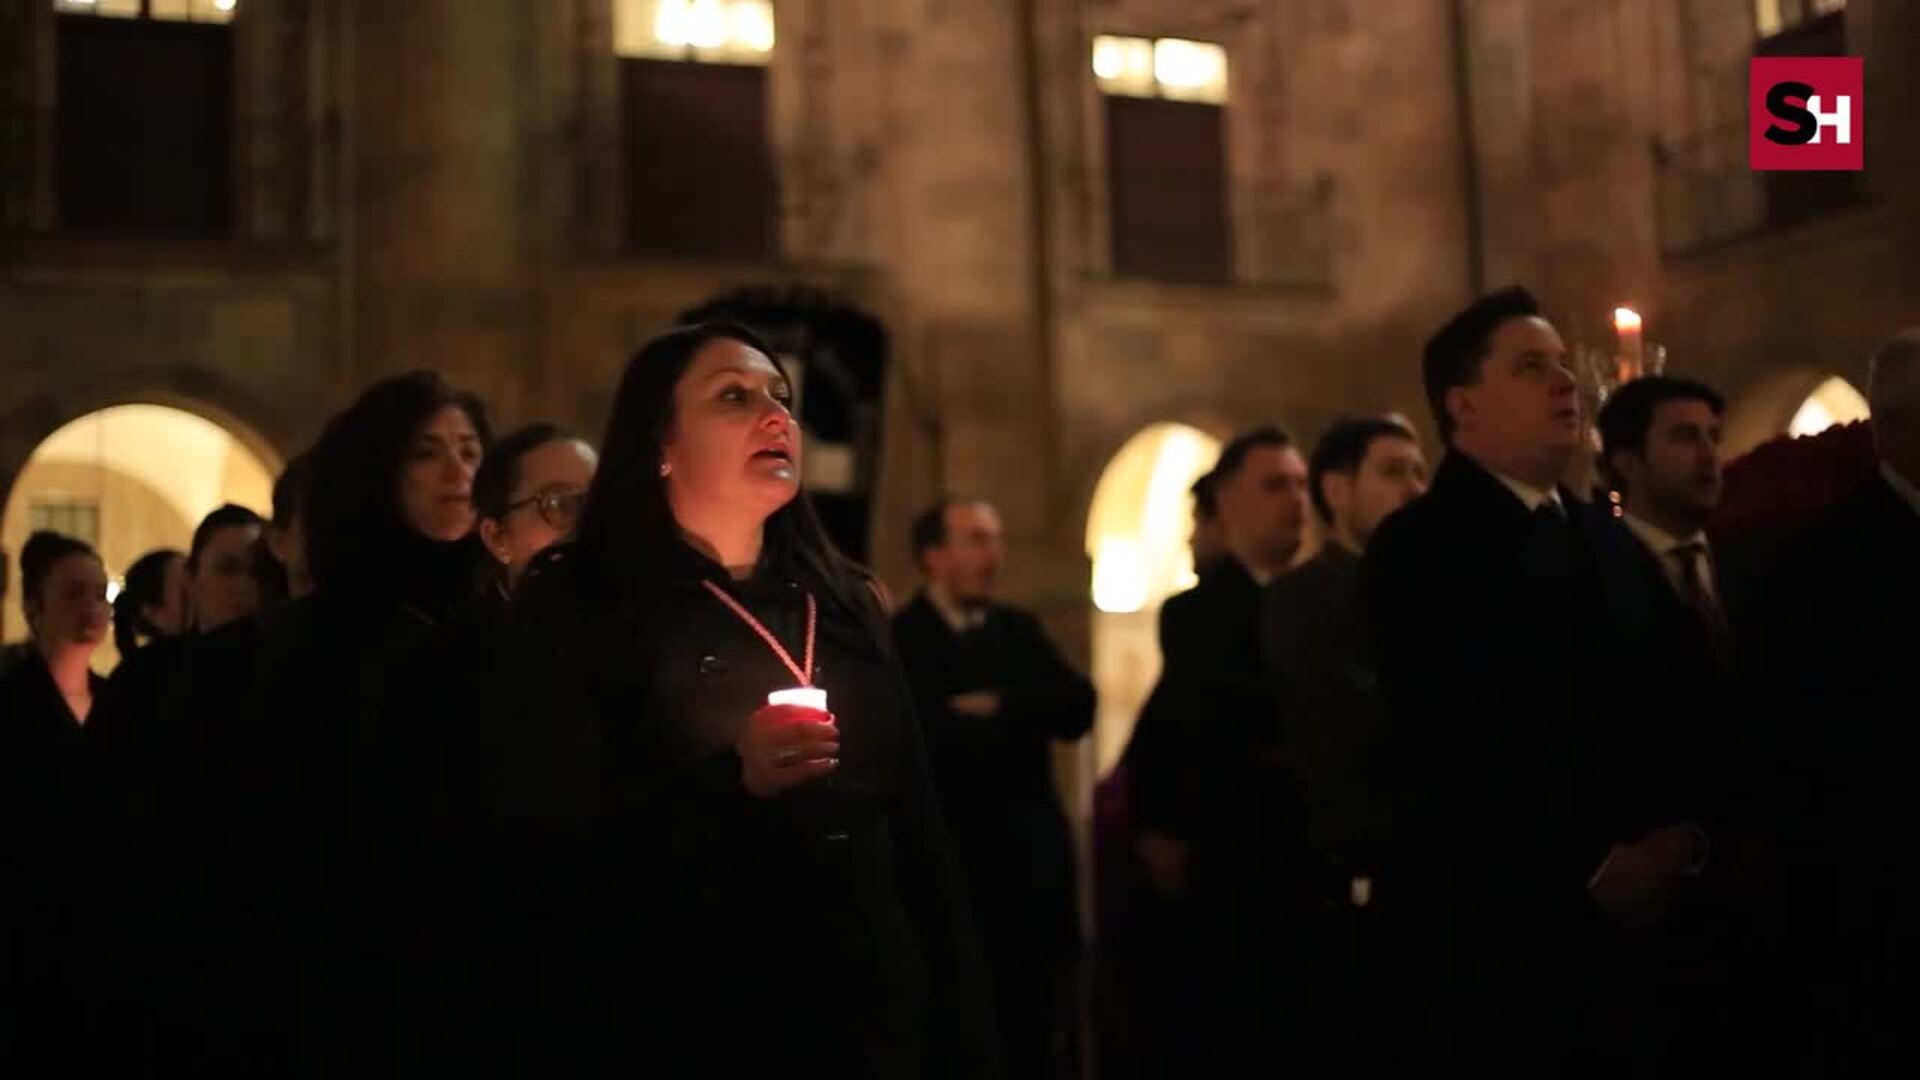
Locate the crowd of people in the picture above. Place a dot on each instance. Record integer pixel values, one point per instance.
(517, 755)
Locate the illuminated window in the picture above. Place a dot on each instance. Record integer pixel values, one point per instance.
(78, 518)
(709, 31)
(1171, 68)
(205, 11)
(1166, 154)
(1771, 17)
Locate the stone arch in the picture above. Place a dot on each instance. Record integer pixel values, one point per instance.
(1767, 408)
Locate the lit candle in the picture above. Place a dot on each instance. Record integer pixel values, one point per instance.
(1626, 324)
(806, 697)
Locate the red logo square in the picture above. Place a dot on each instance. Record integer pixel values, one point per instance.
(1806, 113)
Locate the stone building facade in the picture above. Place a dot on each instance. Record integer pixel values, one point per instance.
(451, 183)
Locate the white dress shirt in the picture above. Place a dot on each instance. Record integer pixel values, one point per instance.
(1666, 551)
(1531, 496)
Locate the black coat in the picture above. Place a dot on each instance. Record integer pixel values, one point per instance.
(1203, 760)
(995, 774)
(1837, 664)
(1511, 753)
(48, 823)
(1315, 656)
(340, 809)
(701, 930)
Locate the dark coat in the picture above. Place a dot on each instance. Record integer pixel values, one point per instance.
(1842, 635)
(1315, 655)
(995, 774)
(47, 828)
(1511, 759)
(698, 929)
(1203, 764)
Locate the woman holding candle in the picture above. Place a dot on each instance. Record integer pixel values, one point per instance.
(744, 884)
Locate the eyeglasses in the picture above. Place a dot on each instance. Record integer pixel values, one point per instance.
(559, 509)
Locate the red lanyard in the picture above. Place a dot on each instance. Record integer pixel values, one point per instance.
(804, 674)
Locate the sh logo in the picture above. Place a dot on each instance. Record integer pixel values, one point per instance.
(1806, 113)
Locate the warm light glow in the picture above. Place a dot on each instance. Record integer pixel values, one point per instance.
(1123, 65)
(1119, 576)
(1626, 320)
(707, 24)
(806, 697)
(753, 25)
(1833, 402)
(224, 5)
(1137, 536)
(718, 31)
(1173, 68)
(1186, 64)
(673, 23)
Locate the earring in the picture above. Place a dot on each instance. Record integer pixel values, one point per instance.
(665, 468)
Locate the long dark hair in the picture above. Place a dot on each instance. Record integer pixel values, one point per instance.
(627, 535)
(146, 586)
(350, 508)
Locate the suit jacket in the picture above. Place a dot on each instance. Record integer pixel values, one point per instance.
(1684, 685)
(1203, 757)
(995, 774)
(1507, 730)
(1315, 653)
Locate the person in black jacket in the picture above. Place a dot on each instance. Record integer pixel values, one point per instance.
(1327, 696)
(387, 518)
(1216, 809)
(736, 887)
(995, 696)
(1519, 829)
(47, 1010)
(1836, 668)
(468, 980)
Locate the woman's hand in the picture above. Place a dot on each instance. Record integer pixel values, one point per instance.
(784, 746)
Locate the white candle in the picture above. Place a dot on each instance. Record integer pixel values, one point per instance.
(806, 697)
(1626, 324)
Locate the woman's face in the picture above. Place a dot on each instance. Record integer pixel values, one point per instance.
(436, 479)
(73, 608)
(543, 505)
(733, 444)
(223, 584)
(170, 615)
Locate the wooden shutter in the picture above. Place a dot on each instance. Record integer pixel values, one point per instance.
(699, 171)
(1167, 189)
(145, 126)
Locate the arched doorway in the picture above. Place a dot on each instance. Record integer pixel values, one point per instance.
(1137, 531)
(1834, 401)
(128, 479)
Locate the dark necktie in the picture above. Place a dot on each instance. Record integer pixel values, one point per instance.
(1693, 589)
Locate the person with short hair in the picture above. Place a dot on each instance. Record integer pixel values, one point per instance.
(997, 697)
(1518, 838)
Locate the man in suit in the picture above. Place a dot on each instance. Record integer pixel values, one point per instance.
(1660, 439)
(1209, 795)
(1660, 448)
(1517, 833)
(995, 696)
(1842, 637)
(1324, 688)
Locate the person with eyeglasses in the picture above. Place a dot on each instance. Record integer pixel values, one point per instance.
(528, 494)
